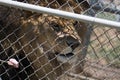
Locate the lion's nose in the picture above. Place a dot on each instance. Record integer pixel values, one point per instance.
(72, 42)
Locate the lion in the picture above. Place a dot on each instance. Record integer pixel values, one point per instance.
(48, 44)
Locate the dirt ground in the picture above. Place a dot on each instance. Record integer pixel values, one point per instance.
(94, 72)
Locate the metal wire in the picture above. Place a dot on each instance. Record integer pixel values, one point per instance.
(52, 47)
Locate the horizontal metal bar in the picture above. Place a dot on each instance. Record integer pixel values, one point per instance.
(39, 9)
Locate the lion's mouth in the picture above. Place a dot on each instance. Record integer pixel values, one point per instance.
(65, 57)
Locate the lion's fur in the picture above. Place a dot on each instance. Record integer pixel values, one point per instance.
(38, 40)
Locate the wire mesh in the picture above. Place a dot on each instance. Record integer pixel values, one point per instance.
(49, 47)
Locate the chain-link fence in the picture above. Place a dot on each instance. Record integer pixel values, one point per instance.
(39, 46)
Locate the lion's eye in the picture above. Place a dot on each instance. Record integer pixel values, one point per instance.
(56, 27)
